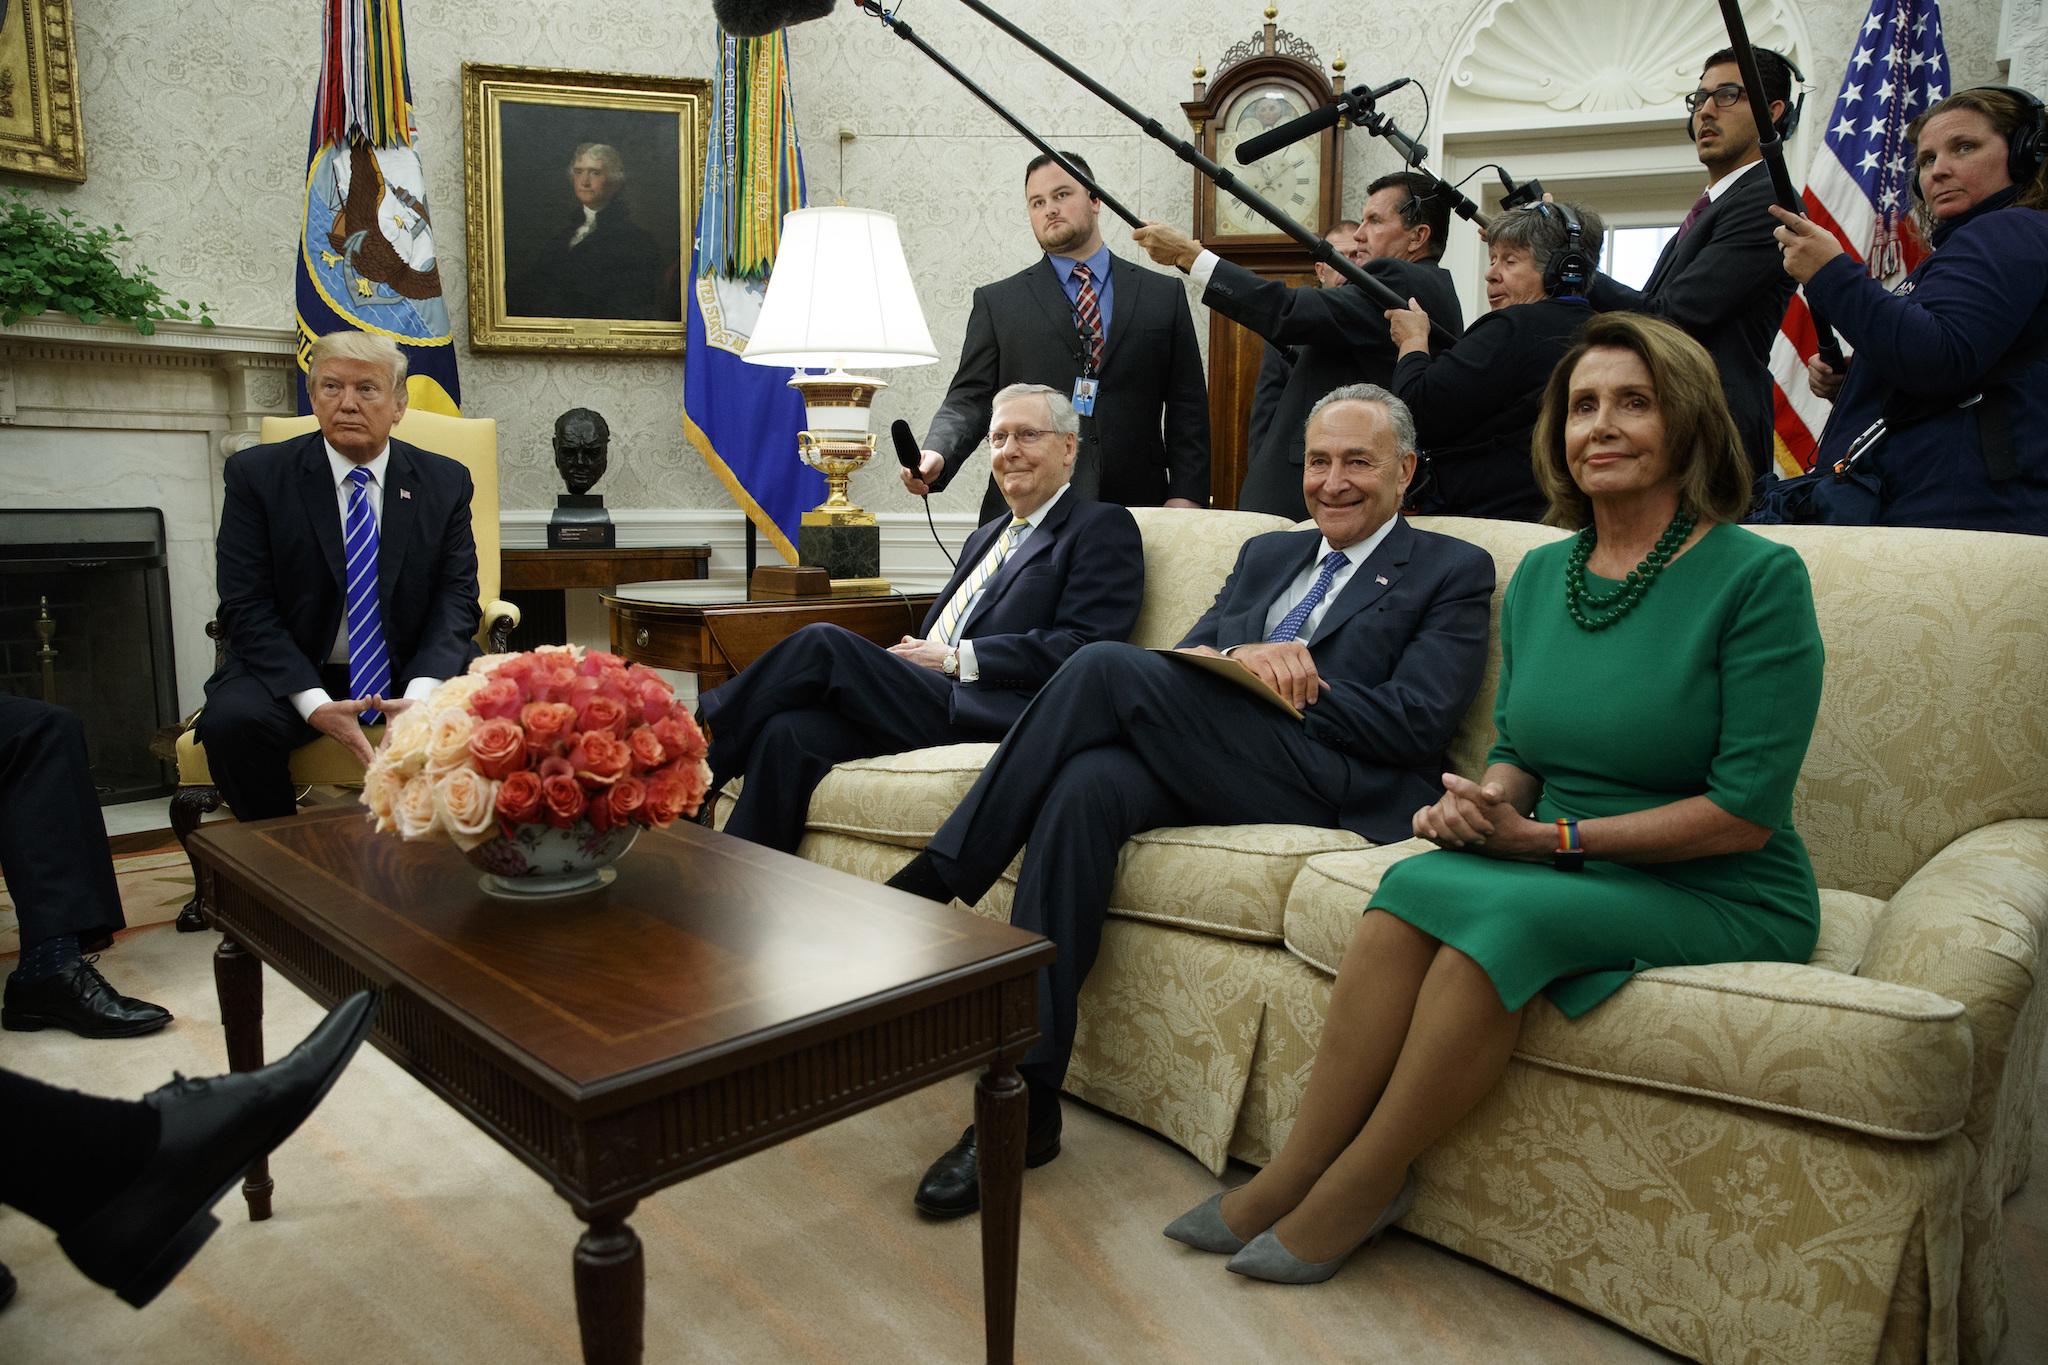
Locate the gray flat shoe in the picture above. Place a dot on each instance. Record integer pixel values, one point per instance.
(1202, 1227)
(1263, 1258)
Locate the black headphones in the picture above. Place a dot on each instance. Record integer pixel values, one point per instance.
(2026, 146)
(1569, 271)
(1786, 123)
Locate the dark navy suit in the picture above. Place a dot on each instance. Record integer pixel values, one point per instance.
(1124, 740)
(281, 576)
(826, 695)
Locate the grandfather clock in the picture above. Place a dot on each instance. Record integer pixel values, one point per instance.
(1259, 83)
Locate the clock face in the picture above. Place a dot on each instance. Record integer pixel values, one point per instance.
(1290, 179)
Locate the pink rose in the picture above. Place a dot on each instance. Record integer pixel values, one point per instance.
(652, 697)
(497, 747)
(665, 801)
(602, 713)
(555, 765)
(596, 661)
(546, 723)
(679, 735)
(519, 798)
(563, 798)
(600, 757)
(625, 799)
(646, 747)
(518, 669)
(497, 699)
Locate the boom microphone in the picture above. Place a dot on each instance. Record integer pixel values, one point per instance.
(757, 18)
(1311, 123)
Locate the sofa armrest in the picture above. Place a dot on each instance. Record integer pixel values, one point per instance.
(500, 619)
(1968, 926)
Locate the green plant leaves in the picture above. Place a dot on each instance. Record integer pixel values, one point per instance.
(58, 260)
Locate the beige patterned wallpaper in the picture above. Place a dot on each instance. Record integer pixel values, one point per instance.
(196, 114)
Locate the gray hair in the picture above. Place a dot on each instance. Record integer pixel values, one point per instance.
(1065, 420)
(1543, 234)
(1398, 417)
(605, 155)
(363, 346)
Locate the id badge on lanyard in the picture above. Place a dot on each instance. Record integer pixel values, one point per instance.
(1085, 390)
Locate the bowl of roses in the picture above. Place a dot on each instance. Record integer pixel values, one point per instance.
(542, 767)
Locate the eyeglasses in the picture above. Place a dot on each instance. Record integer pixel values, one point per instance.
(1029, 436)
(1723, 96)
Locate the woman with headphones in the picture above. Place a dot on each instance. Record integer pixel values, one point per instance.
(1944, 406)
(1476, 404)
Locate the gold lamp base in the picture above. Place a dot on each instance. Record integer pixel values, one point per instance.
(838, 535)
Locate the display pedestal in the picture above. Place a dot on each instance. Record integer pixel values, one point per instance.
(581, 523)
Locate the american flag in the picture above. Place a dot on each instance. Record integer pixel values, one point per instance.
(1859, 188)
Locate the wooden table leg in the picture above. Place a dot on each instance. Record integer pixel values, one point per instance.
(1000, 1109)
(611, 1289)
(238, 977)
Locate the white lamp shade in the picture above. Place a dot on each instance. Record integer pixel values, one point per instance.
(840, 296)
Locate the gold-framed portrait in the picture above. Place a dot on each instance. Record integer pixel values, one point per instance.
(581, 190)
(40, 129)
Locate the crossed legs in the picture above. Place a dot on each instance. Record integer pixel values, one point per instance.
(1415, 1037)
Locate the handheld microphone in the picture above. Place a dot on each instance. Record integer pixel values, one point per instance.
(909, 456)
(758, 18)
(907, 453)
(1311, 123)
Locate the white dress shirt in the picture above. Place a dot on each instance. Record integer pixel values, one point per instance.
(310, 700)
(970, 671)
(1354, 556)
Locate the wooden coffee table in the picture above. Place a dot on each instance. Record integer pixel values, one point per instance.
(714, 1000)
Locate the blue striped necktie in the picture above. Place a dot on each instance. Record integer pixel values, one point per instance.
(1290, 624)
(369, 662)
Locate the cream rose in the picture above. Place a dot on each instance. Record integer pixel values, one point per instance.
(483, 665)
(466, 803)
(454, 694)
(405, 741)
(381, 786)
(414, 811)
(448, 741)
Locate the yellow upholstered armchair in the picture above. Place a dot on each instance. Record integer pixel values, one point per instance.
(474, 442)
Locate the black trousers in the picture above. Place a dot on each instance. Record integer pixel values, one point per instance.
(62, 1153)
(821, 697)
(1120, 741)
(53, 843)
(249, 737)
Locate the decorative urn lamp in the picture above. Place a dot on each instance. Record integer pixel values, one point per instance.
(840, 299)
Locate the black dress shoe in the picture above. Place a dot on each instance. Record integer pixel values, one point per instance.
(952, 1186)
(209, 1131)
(78, 998)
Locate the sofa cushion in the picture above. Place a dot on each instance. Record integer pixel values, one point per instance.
(1186, 560)
(1230, 880)
(1815, 1040)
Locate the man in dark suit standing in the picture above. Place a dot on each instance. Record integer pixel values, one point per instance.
(1375, 631)
(1339, 336)
(1058, 572)
(346, 567)
(1119, 339)
(1721, 278)
(1277, 362)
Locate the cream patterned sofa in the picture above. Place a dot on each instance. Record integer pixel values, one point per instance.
(1754, 1161)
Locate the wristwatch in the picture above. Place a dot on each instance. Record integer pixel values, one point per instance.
(1570, 855)
(950, 665)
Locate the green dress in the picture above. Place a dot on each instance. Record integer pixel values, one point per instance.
(1709, 686)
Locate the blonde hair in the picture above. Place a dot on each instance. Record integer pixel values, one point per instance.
(1699, 432)
(349, 345)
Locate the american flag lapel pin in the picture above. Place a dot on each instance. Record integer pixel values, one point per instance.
(405, 495)
(1380, 579)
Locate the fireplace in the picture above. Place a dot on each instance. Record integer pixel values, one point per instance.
(85, 622)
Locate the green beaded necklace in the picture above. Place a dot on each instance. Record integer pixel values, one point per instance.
(1596, 612)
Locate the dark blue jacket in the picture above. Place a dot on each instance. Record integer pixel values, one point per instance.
(1983, 294)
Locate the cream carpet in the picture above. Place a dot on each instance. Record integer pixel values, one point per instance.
(403, 1234)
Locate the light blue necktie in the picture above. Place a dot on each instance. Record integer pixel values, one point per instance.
(369, 662)
(1290, 624)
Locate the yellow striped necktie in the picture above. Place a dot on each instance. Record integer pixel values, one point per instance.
(947, 632)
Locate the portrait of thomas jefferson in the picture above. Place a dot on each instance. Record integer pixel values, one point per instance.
(595, 229)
